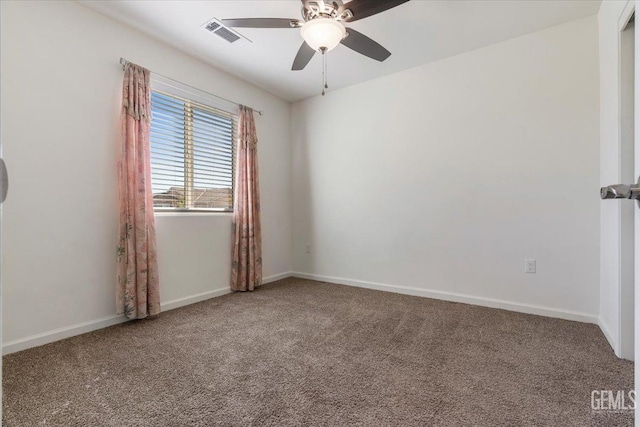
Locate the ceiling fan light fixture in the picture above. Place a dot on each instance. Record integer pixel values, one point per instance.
(323, 33)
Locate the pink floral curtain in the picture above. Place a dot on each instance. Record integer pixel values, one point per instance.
(137, 294)
(246, 270)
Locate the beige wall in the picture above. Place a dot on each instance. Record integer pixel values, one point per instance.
(441, 180)
(60, 109)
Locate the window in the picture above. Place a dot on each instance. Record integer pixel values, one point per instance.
(192, 155)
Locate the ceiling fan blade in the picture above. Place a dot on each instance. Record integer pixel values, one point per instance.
(364, 8)
(305, 53)
(364, 45)
(261, 23)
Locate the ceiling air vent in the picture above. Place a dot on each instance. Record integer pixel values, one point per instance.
(216, 27)
(212, 26)
(227, 35)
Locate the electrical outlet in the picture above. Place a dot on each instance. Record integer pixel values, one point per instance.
(529, 265)
(308, 249)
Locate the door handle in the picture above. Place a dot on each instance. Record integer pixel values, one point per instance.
(4, 181)
(621, 191)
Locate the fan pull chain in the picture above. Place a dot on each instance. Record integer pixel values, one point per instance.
(324, 69)
(326, 73)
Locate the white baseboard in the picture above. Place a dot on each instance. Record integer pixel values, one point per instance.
(82, 328)
(276, 277)
(93, 325)
(456, 297)
(192, 299)
(612, 342)
(60, 334)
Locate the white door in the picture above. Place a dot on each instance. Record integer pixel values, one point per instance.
(628, 174)
(4, 186)
(637, 218)
(629, 149)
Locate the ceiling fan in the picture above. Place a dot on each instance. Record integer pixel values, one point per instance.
(322, 27)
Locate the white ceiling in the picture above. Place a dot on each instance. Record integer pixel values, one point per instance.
(416, 33)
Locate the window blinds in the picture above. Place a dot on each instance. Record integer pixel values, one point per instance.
(192, 154)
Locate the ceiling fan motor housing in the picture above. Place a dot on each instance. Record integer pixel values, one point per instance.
(325, 9)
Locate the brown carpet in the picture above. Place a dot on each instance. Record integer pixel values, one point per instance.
(298, 352)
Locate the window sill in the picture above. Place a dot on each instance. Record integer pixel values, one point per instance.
(194, 213)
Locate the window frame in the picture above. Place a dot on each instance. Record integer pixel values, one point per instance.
(189, 105)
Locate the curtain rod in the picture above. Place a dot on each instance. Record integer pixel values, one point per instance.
(124, 62)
